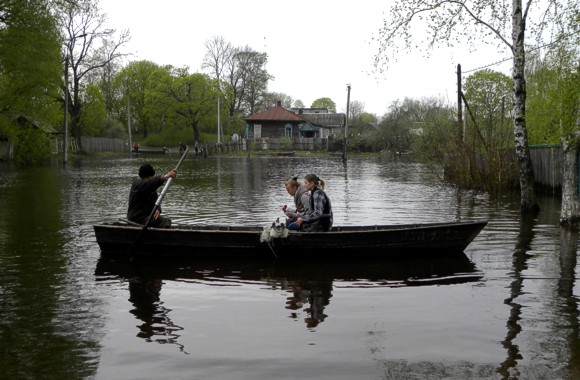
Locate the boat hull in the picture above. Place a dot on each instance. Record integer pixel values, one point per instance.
(120, 239)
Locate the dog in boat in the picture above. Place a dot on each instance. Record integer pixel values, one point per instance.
(277, 230)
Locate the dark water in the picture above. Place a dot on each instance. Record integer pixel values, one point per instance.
(507, 309)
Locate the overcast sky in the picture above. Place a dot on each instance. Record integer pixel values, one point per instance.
(315, 48)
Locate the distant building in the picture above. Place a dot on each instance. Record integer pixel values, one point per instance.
(297, 122)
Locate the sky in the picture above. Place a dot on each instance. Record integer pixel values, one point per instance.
(315, 48)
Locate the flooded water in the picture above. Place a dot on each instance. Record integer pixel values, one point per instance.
(506, 309)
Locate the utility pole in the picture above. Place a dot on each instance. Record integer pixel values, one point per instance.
(129, 121)
(346, 122)
(459, 105)
(219, 122)
(65, 140)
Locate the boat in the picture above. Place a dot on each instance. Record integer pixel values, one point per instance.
(284, 154)
(163, 150)
(123, 238)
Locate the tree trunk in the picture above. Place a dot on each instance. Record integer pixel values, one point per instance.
(528, 200)
(570, 211)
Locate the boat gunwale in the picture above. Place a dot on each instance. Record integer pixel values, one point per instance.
(377, 228)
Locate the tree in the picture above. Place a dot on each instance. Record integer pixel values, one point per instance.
(252, 66)
(192, 98)
(30, 72)
(487, 132)
(271, 99)
(394, 133)
(88, 47)
(488, 99)
(244, 72)
(94, 117)
(137, 87)
(355, 112)
(483, 21)
(218, 53)
(554, 115)
(29, 54)
(324, 103)
(298, 104)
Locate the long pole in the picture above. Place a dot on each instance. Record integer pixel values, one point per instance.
(346, 122)
(65, 140)
(129, 121)
(219, 122)
(459, 106)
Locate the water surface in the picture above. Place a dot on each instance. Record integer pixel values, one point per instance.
(506, 309)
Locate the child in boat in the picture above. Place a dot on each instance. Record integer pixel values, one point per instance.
(318, 217)
(301, 197)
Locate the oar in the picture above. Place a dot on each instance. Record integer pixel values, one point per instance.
(157, 205)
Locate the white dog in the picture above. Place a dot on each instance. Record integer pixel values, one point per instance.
(275, 231)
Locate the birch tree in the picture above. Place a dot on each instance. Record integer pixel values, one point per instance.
(507, 24)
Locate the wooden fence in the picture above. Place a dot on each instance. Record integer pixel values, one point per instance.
(548, 167)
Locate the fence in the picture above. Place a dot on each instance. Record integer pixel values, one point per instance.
(548, 170)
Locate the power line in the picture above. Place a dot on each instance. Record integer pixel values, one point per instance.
(528, 51)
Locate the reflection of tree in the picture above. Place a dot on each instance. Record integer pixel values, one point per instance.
(568, 251)
(519, 261)
(315, 293)
(157, 326)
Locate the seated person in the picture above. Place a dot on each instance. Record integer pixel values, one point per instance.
(318, 217)
(301, 201)
(143, 196)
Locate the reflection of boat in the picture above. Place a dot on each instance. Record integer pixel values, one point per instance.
(398, 272)
(308, 283)
(431, 239)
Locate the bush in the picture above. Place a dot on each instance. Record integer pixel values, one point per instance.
(32, 147)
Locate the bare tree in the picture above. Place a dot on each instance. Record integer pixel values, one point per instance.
(218, 54)
(243, 71)
(89, 46)
(356, 110)
(481, 21)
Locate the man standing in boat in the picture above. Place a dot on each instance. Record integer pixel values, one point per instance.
(143, 196)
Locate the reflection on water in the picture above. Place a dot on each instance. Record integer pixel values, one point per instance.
(308, 284)
(506, 309)
(157, 325)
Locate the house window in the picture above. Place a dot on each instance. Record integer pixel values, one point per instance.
(288, 130)
(257, 131)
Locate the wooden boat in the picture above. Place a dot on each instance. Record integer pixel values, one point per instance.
(284, 154)
(163, 150)
(123, 239)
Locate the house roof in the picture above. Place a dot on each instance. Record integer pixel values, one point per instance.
(277, 113)
(328, 120)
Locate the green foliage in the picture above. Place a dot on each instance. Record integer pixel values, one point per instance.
(324, 103)
(488, 122)
(398, 126)
(553, 89)
(94, 116)
(30, 68)
(32, 146)
(470, 158)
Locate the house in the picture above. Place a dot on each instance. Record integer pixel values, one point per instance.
(280, 122)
